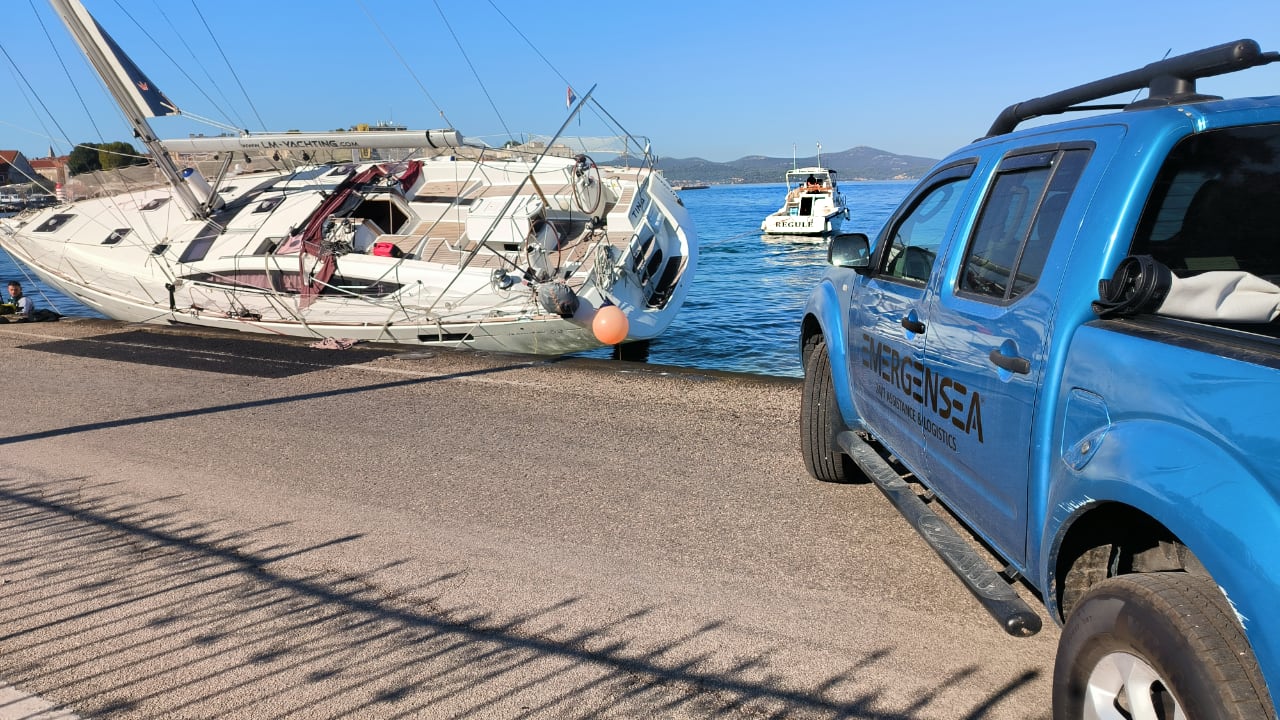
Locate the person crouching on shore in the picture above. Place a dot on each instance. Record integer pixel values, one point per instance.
(23, 307)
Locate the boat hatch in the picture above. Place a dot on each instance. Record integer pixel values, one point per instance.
(116, 236)
(199, 247)
(269, 204)
(53, 223)
(806, 205)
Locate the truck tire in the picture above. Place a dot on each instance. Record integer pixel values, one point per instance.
(1156, 645)
(820, 420)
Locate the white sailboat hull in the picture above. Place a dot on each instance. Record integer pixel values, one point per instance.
(547, 334)
(472, 267)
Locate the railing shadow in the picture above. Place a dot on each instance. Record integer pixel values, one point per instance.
(118, 610)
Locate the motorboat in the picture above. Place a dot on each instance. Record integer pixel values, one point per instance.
(813, 204)
(532, 247)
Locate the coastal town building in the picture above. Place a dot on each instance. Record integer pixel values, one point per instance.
(15, 168)
(52, 168)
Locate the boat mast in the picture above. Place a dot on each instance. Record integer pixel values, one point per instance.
(134, 92)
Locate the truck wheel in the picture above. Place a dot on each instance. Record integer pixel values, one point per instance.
(1156, 645)
(820, 420)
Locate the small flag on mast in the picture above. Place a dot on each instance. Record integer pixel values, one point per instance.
(569, 98)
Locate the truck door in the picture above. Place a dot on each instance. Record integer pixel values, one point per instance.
(989, 323)
(888, 348)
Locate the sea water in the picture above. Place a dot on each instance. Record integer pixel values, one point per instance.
(743, 310)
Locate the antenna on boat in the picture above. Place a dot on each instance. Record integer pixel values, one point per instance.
(819, 154)
(136, 95)
(793, 156)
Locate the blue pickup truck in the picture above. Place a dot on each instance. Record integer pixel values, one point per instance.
(1067, 335)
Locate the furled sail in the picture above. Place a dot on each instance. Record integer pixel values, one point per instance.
(112, 62)
(136, 95)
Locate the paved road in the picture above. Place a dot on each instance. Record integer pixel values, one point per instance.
(203, 526)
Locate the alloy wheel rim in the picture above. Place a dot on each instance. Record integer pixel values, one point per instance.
(1123, 686)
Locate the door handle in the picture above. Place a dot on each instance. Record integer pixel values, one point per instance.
(914, 326)
(1019, 365)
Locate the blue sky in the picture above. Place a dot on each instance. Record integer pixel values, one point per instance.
(713, 79)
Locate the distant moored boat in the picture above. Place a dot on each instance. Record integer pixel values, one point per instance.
(813, 205)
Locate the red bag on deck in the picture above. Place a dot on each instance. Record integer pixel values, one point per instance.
(387, 249)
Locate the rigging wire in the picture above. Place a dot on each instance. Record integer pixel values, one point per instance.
(529, 42)
(165, 262)
(229, 67)
(404, 62)
(467, 57)
(67, 72)
(595, 107)
(52, 118)
(97, 177)
(199, 87)
(30, 105)
(36, 286)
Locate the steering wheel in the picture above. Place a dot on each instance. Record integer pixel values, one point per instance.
(587, 186)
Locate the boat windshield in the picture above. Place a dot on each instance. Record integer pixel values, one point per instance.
(810, 177)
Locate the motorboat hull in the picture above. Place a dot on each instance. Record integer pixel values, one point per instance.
(813, 205)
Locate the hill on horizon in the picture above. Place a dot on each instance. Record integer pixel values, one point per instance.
(858, 163)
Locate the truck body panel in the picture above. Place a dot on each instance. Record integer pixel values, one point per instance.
(972, 351)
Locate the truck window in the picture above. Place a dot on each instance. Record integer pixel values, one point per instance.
(914, 239)
(1213, 205)
(1019, 221)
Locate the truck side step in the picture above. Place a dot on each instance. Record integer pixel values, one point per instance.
(995, 594)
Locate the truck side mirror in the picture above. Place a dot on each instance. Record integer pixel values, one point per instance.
(850, 250)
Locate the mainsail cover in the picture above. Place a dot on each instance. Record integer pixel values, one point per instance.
(143, 94)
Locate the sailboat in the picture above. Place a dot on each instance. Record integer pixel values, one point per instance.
(524, 249)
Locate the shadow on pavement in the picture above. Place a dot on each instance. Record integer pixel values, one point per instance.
(229, 407)
(128, 611)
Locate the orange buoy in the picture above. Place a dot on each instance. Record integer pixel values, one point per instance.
(610, 325)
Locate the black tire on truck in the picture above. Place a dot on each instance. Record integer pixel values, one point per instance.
(820, 420)
(1156, 645)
